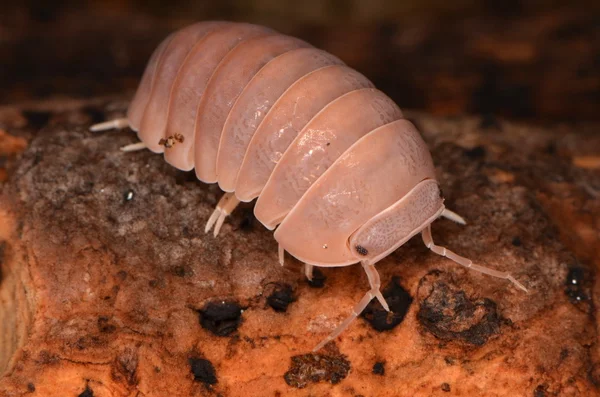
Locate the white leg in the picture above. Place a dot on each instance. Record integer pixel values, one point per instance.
(374, 292)
(308, 271)
(453, 216)
(428, 240)
(281, 253)
(375, 283)
(109, 125)
(225, 206)
(133, 147)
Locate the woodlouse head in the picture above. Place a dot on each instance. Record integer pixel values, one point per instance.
(392, 227)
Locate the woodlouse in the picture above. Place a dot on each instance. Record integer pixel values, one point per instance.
(330, 158)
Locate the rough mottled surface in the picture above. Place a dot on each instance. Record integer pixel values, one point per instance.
(111, 288)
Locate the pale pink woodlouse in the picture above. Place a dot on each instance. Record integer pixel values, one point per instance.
(330, 158)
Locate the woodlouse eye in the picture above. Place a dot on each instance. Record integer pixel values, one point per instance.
(361, 250)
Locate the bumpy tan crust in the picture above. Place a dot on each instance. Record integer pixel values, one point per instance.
(106, 266)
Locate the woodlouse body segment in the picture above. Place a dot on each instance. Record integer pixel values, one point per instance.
(335, 167)
(252, 106)
(288, 116)
(154, 121)
(192, 80)
(341, 123)
(226, 84)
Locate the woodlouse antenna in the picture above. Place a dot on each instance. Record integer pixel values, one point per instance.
(281, 253)
(428, 240)
(453, 216)
(109, 125)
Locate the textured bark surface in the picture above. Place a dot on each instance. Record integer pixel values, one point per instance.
(111, 288)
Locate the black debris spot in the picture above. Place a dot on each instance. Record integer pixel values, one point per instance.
(488, 121)
(540, 391)
(578, 287)
(87, 392)
(203, 371)
(445, 387)
(314, 368)
(318, 279)
(221, 318)
(449, 314)
(397, 298)
(379, 368)
(96, 115)
(104, 325)
(30, 387)
(37, 119)
(281, 297)
(476, 153)
(128, 195)
(517, 242)
(361, 250)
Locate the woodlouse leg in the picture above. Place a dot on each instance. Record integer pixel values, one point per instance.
(109, 125)
(428, 240)
(133, 147)
(374, 292)
(118, 124)
(225, 206)
(281, 253)
(308, 271)
(453, 216)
